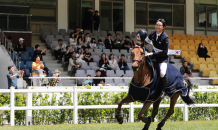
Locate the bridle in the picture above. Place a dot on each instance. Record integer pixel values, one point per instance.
(141, 62)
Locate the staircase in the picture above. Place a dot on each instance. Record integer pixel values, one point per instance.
(50, 62)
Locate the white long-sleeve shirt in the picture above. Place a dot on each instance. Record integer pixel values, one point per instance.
(113, 63)
(71, 41)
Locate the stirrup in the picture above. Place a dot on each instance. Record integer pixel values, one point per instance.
(162, 95)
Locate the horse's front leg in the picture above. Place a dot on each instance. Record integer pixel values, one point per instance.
(173, 100)
(118, 116)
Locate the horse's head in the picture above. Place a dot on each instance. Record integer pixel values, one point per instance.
(138, 56)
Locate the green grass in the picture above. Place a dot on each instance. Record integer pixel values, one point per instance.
(190, 125)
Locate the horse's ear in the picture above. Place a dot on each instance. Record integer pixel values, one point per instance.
(133, 43)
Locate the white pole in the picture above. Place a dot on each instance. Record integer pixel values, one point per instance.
(185, 112)
(75, 104)
(29, 112)
(12, 106)
(131, 112)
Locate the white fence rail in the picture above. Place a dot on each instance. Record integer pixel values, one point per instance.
(75, 106)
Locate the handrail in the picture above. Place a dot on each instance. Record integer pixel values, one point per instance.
(15, 14)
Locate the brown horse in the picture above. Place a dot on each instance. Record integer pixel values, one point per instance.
(142, 77)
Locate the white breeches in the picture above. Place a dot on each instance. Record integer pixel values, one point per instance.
(163, 69)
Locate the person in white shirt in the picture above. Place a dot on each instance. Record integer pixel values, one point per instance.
(73, 40)
(87, 41)
(113, 62)
(93, 44)
(79, 55)
(60, 49)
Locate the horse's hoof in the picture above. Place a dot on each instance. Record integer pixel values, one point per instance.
(158, 129)
(160, 125)
(146, 126)
(119, 119)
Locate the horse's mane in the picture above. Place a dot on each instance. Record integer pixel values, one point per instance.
(149, 63)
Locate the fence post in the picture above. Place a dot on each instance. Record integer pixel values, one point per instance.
(75, 104)
(12, 106)
(29, 104)
(131, 112)
(185, 112)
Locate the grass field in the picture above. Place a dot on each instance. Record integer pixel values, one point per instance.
(190, 125)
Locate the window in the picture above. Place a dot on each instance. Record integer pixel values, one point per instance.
(200, 16)
(141, 13)
(211, 17)
(165, 1)
(178, 15)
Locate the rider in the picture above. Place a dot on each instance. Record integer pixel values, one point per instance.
(160, 41)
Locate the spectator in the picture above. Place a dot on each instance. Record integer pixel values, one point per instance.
(100, 44)
(12, 78)
(73, 40)
(88, 18)
(60, 49)
(96, 20)
(39, 52)
(58, 73)
(88, 81)
(93, 44)
(87, 41)
(202, 51)
(185, 71)
(45, 80)
(79, 55)
(103, 62)
(108, 42)
(10, 45)
(68, 53)
(87, 56)
(36, 66)
(122, 63)
(73, 63)
(113, 63)
(82, 41)
(100, 81)
(20, 46)
(78, 32)
(127, 43)
(53, 82)
(117, 42)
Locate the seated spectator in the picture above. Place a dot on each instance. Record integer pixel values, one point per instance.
(12, 78)
(79, 55)
(108, 42)
(68, 53)
(39, 52)
(10, 45)
(99, 82)
(37, 65)
(73, 40)
(113, 63)
(73, 63)
(185, 71)
(93, 44)
(60, 49)
(202, 51)
(87, 56)
(78, 31)
(117, 42)
(122, 63)
(127, 43)
(58, 73)
(45, 80)
(53, 82)
(87, 41)
(103, 62)
(100, 44)
(82, 41)
(88, 81)
(20, 46)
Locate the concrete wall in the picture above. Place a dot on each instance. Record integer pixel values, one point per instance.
(190, 21)
(129, 16)
(62, 14)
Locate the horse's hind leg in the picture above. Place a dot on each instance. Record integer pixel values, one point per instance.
(127, 99)
(173, 100)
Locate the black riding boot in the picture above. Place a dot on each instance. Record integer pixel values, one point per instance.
(164, 82)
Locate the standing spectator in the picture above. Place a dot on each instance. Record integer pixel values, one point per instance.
(202, 51)
(36, 66)
(185, 71)
(108, 42)
(122, 63)
(100, 81)
(20, 46)
(127, 43)
(93, 44)
(103, 62)
(82, 41)
(87, 56)
(88, 18)
(96, 19)
(68, 53)
(39, 52)
(53, 82)
(113, 63)
(100, 44)
(80, 55)
(88, 81)
(73, 63)
(73, 40)
(117, 42)
(78, 32)
(10, 45)
(60, 49)
(12, 78)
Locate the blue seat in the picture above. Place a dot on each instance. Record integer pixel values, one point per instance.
(22, 66)
(30, 51)
(29, 65)
(14, 57)
(25, 57)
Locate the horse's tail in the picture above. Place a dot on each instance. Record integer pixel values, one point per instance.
(187, 99)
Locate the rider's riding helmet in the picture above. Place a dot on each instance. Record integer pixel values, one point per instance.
(141, 35)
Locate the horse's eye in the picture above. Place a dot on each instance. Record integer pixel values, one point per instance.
(142, 53)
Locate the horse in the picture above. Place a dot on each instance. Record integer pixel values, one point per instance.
(144, 74)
